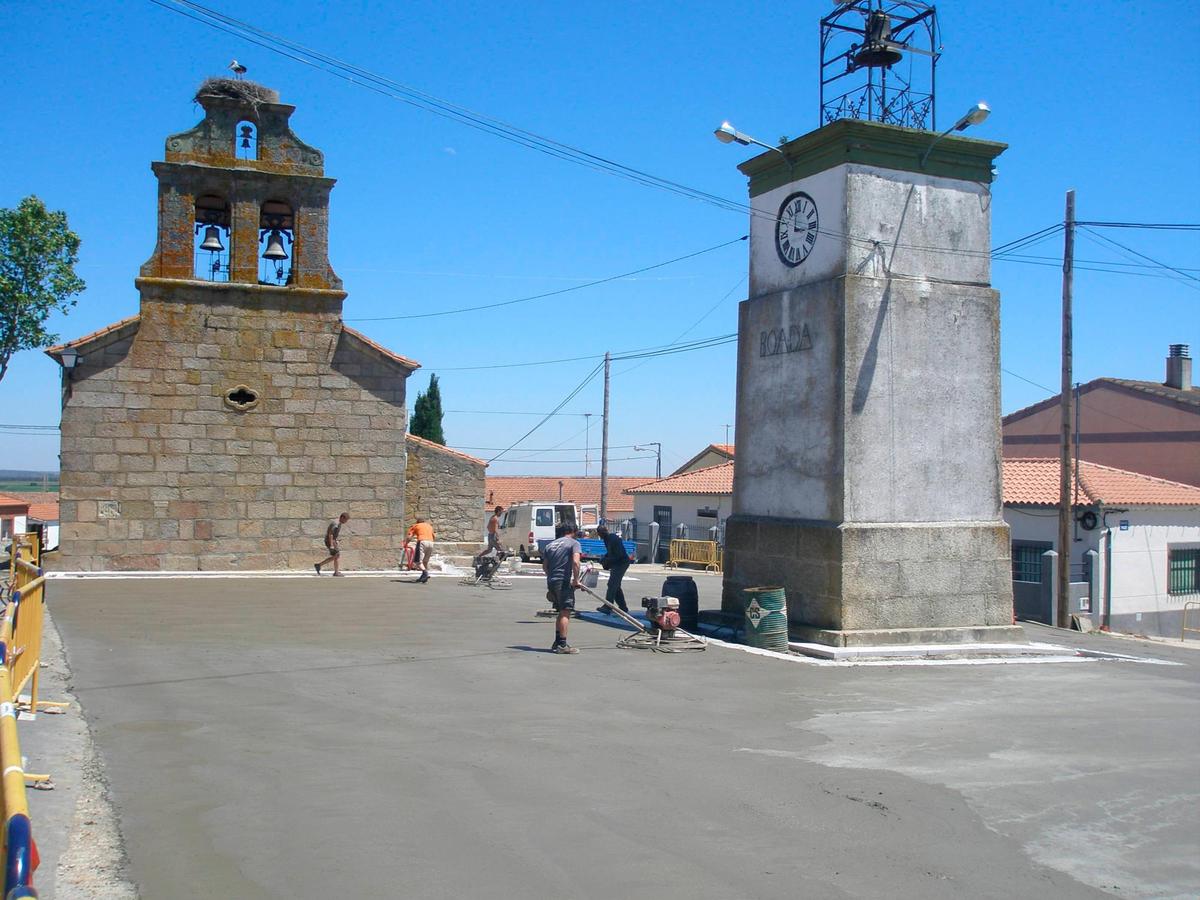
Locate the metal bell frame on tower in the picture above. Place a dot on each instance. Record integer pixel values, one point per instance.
(213, 216)
(866, 42)
(275, 227)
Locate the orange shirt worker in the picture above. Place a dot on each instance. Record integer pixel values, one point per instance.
(422, 531)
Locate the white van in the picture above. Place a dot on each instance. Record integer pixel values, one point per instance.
(524, 524)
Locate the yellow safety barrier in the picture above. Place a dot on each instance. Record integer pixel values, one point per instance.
(20, 652)
(22, 629)
(1190, 606)
(695, 553)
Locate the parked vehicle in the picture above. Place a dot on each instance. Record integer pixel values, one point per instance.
(528, 526)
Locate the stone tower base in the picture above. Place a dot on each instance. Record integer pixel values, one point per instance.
(880, 583)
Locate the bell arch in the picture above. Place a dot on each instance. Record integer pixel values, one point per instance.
(276, 235)
(245, 140)
(211, 237)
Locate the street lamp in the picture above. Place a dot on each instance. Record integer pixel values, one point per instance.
(972, 116)
(727, 134)
(639, 448)
(69, 357)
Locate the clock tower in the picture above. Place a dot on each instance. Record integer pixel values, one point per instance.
(867, 473)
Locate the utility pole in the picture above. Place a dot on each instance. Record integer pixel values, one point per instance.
(604, 445)
(587, 433)
(1062, 617)
(727, 435)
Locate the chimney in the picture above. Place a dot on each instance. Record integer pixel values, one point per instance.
(1179, 367)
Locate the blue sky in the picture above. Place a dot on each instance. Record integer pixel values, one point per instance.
(430, 215)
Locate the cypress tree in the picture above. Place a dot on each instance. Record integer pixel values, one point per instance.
(427, 414)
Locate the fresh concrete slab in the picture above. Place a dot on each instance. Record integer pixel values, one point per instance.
(369, 737)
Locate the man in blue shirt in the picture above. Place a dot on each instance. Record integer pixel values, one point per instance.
(616, 560)
(560, 562)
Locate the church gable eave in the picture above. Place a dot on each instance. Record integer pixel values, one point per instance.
(402, 363)
(97, 340)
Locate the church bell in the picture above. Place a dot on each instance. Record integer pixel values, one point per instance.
(275, 251)
(212, 239)
(876, 51)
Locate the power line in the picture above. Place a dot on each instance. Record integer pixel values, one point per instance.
(565, 462)
(380, 84)
(430, 103)
(571, 396)
(547, 362)
(1122, 247)
(1157, 226)
(545, 294)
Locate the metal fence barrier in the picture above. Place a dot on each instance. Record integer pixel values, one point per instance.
(696, 553)
(1194, 607)
(20, 652)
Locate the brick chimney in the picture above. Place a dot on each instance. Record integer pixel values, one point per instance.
(1179, 367)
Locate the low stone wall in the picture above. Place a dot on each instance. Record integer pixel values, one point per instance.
(446, 488)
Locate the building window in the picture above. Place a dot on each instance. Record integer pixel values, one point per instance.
(1027, 560)
(1183, 570)
(245, 142)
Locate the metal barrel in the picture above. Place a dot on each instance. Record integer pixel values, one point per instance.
(683, 587)
(766, 618)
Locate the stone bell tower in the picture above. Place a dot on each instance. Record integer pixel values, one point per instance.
(867, 474)
(224, 425)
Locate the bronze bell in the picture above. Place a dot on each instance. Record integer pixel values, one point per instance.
(212, 239)
(275, 249)
(246, 132)
(877, 51)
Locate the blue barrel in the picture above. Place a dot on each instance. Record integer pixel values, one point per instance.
(766, 618)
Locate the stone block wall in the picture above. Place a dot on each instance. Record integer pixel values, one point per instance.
(447, 489)
(161, 472)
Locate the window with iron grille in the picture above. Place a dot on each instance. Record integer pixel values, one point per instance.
(1183, 570)
(1027, 560)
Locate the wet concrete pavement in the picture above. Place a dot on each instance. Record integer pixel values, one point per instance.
(371, 738)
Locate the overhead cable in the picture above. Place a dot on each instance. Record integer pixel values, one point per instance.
(545, 294)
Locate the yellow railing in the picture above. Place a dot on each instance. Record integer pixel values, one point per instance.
(695, 553)
(20, 652)
(1190, 606)
(22, 628)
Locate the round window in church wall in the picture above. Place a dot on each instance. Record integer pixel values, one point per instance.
(241, 398)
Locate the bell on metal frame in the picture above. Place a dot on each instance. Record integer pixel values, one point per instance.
(275, 249)
(875, 51)
(212, 239)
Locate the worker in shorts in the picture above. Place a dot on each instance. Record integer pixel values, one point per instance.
(493, 530)
(560, 562)
(331, 544)
(422, 532)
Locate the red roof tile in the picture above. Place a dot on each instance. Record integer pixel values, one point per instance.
(716, 479)
(1034, 482)
(505, 490)
(7, 501)
(43, 505)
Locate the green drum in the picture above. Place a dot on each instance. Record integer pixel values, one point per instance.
(766, 618)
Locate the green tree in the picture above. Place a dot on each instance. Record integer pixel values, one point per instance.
(427, 414)
(38, 252)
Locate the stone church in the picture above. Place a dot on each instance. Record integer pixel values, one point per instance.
(230, 420)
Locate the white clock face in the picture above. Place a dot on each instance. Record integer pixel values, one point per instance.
(796, 228)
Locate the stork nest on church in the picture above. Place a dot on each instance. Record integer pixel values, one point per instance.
(236, 89)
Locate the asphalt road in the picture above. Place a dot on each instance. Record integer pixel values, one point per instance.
(361, 737)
